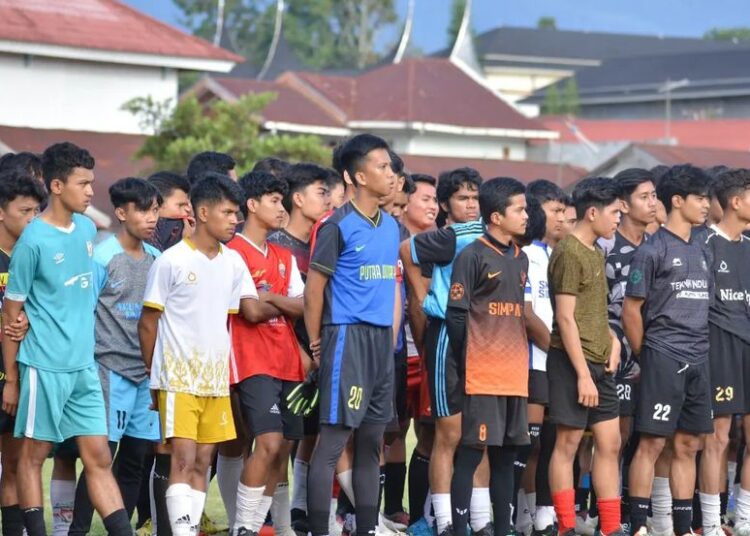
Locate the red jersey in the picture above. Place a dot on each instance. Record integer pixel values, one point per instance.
(269, 348)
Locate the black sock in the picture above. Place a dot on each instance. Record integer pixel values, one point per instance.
(546, 446)
(682, 514)
(129, 468)
(519, 467)
(593, 506)
(501, 488)
(724, 498)
(697, 513)
(33, 520)
(368, 439)
(395, 478)
(162, 463)
(582, 495)
(419, 484)
(638, 512)
(382, 486)
(144, 497)
(12, 520)
(467, 461)
(118, 523)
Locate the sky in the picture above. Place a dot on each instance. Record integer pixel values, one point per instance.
(655, 17)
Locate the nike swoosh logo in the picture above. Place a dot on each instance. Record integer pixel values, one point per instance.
(493, 275)
(358, 248)
(115, 284)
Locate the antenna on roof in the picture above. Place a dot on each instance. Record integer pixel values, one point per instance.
(406, 34)
(219, 22)
(274, 41)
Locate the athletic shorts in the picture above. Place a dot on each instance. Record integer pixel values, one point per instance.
(729, 363)
(204, 419)
(494, 421)
(563, 406)
(627, 392)
(54, 406)
(400, 413)
(413, 385)
(445, 376)
(538, 387)
(263, 406)
(628, 369)
(356, 375)
(128, 406)
(673, 396)
(7, 422)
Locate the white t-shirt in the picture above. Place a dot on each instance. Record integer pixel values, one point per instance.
(537, 293)
(195, 294)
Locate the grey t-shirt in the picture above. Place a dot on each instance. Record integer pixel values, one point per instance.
(121, 285)
(675, 279)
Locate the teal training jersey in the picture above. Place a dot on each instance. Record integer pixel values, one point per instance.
(51, 271)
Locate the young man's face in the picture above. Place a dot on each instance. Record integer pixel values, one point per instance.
(743, 206)
(515, 219)
(139, 223)
(376, 174)
(397, 206)
(422, 208)
(570, 220)
(17, 214)
(694, 208)
(268, 211)
(77, 191)
(463, 205)
(338, 195)
(641, 207)
(176, 205)
(220, 219)
(313, 200)
(554, 212)
(606, 219)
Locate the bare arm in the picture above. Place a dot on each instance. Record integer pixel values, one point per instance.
(396, 314)
(314, 293)
(417, 286)
(11, 311)
(257, 311)
(632, 322)
(291, 307)
(147, 327)
(536, 328)
(565, 306)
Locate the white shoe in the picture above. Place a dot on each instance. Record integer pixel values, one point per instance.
(667, 532)
(586, 526)
(390, 525)
(643, 531)
(741, 527)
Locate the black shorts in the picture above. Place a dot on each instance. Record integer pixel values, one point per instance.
(489, 420)
(444, 373)
(563, 406)
(673, 396)
(538, 387)
(400, 412)
(7, 422)
(627, 391)
(356, 375)
(729, 363)
(263, 406)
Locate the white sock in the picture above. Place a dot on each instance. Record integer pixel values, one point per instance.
(179, 506)
(332, 529)
(299, 485)
(661, 505)
(228, 472)
(742, 512)
(62, 495)
(523, 517)
(480, 508)
(345, 481)
(531, 503)
(262, 512)
(731, 474)
(427, 509)
(441, 504)
(198, 501)
(545, 516)
(280, 511)
(248, 500)
(711, 511)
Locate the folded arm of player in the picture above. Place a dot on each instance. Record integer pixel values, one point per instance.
(536, 328)
(11, 311)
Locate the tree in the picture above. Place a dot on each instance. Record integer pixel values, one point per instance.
(546, 23)
(571, 102)
(728, 34)
(552, 104)
(229, 127)
(457, 15)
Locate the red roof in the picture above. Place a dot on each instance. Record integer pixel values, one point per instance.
(717, 133)
(562, 175)
(113, 154)
(100, 24)
(672, 155)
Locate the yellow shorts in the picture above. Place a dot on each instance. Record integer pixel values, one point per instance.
(202, 419)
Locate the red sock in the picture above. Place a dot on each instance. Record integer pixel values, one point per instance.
(565, 508)
(609, 515)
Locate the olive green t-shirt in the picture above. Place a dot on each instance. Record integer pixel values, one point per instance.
(578, 270)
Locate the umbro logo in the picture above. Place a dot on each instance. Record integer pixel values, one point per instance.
(462, 512)
(275, 409)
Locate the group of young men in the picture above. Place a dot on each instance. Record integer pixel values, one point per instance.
(563, 359)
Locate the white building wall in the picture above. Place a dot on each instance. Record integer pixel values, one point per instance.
(448, 145)
(40, 92)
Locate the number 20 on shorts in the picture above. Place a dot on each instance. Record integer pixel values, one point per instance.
(355, 397)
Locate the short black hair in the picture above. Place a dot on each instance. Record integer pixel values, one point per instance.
(274, 166)
(409, 186)
(545, 191)
(422, 177)
(30, 162)
(18, 182)
(495, 194)
(682, 180)
(730, 183)
(658, 173)
(207, 162)
(714, 171)
(451, 181)
(598, 192)
(336, 159)
(134, 190)
(60, 159)
(397, 164)
(214, 188)
(628, 180)
(536, 227)
(256, 184)
(300, 176)
(167, 182)
(355, 150)
(335, 178)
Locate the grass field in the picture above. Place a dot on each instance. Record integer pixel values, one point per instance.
(214, 505)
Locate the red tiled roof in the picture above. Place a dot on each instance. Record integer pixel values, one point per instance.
(100, 24)
(715, 133)
(339, 90)
(113, 154)
(671, 155)
(563, 175)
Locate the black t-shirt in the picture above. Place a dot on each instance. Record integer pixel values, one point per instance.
(674, 278)
(618, 254)
(730, 308)
(4, 265)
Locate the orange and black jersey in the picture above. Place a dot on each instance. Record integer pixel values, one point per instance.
(485, 316)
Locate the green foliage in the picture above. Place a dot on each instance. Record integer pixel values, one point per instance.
(228, 127)
(552, 101)
(549, 23)
(457, 14)
(567, 101)
(739, 33)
